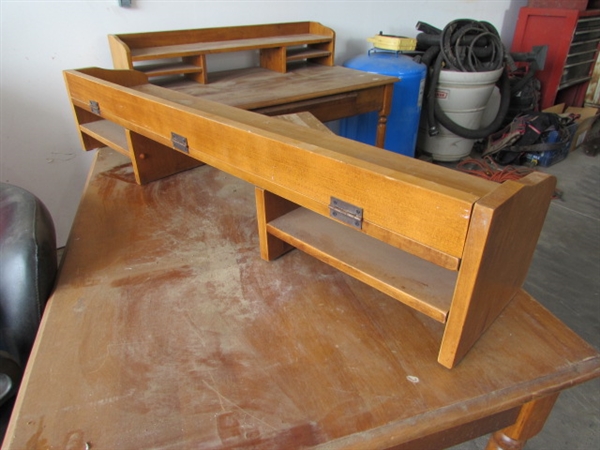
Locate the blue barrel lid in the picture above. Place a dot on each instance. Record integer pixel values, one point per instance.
(387, 63)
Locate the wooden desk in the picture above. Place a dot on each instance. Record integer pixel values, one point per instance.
(167, 330)
(295, 73)
(328, 92)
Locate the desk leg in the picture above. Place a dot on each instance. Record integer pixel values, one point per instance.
(530, 422)
(384, 112)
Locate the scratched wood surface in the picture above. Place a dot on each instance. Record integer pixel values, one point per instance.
(167, 330)
(257, 87)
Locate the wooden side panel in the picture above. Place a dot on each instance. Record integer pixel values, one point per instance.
(200, 61)
(502, 237)
(306, 171)
(82, 113)
(126, 78)
(121, 55)
(318, 28)
(273, 59)
(152, 161)
(269, 207)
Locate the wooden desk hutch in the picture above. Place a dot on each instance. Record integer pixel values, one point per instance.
(452, 246)
(278, 45)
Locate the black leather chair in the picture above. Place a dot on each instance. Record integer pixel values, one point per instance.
(28, 266)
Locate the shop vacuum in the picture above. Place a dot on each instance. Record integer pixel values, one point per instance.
(447, 80)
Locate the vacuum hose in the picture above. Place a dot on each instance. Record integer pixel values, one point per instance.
(464, 46)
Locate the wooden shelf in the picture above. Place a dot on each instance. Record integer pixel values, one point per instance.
(411, 280)
(230, 45)
(109, 133)
(159, 70)
(300, 54)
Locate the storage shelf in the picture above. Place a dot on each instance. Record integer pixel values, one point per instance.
(411, 280)
(109, 133)
(159, 70)
(306, 53)
(232, 45)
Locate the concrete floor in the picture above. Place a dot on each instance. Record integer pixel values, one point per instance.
(565, 278)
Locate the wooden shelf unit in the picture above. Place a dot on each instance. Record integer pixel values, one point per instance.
(452, 246)
(277, 44)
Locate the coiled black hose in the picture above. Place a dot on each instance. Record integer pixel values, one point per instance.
(466, 46)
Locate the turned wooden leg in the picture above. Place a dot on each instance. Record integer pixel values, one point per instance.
(268, 207)
(381, 129)
(385, 111)
(530, 422)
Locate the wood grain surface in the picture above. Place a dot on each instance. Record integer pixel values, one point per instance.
(167, 330)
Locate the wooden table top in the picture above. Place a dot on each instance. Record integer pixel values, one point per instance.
(167, 330)
(256, 87)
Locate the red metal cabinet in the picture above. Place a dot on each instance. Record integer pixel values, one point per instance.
(572, 38)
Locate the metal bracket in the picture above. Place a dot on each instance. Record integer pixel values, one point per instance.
(95, 107)
(180, 142)
(346, 212)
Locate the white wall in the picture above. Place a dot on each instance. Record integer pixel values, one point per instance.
(39, 146)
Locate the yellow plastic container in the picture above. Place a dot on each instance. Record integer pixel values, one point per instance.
(394, 43)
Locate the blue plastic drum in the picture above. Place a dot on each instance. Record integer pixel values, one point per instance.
(403, 122)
